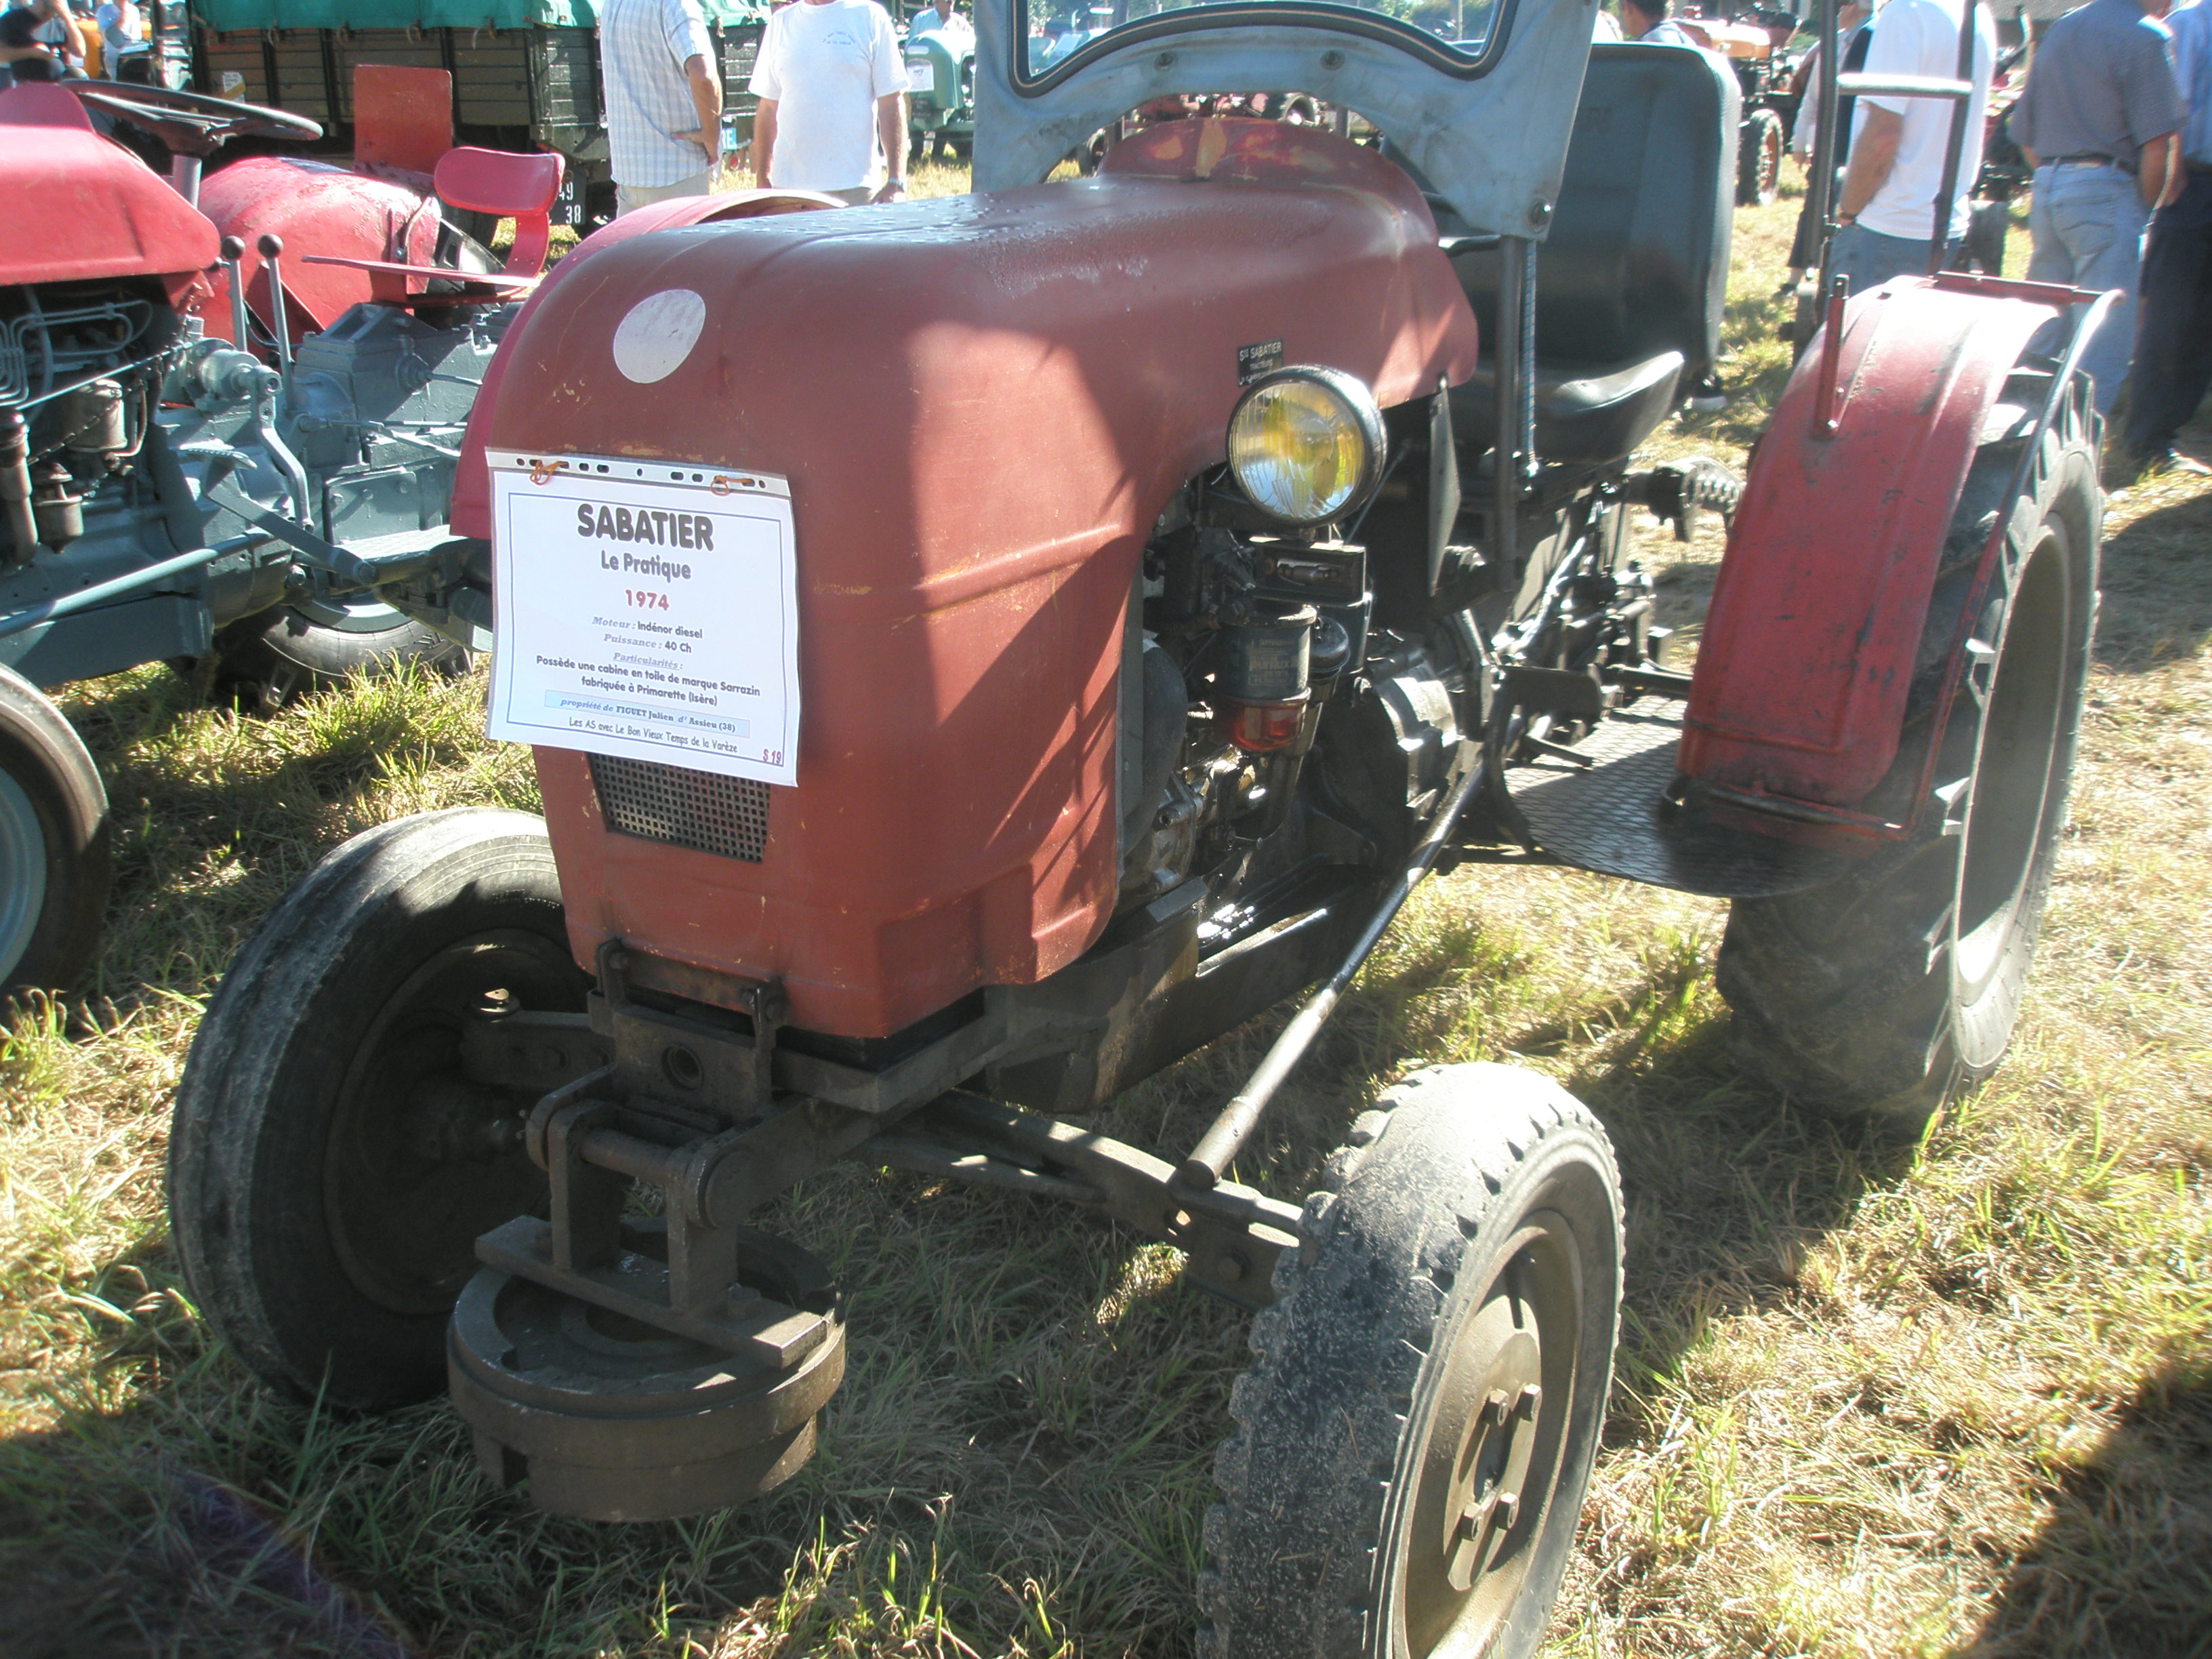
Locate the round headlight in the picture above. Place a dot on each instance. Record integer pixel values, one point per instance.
(1306, 444)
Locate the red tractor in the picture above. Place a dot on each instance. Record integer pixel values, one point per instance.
(230, 407)
(977, 651)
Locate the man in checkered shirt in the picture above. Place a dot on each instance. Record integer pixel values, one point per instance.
(664, 100)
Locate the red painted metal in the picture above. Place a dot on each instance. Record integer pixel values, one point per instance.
(80, 208)
(982, 404)
(1816, 618)
(402, 118)
(469, 512)
(316, 208)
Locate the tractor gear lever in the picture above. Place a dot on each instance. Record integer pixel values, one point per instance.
(271, 247)
(232, 251)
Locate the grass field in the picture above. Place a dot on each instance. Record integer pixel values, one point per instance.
(1954, 1399)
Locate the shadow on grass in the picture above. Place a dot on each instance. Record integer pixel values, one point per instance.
(2122, 1567)
(2157, 609)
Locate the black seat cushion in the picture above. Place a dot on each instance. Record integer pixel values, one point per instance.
(1635, 269)
(1584, 413)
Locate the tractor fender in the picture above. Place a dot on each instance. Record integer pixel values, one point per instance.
(1816, 617)
(315, 207)
(470, 513)
(86, 209)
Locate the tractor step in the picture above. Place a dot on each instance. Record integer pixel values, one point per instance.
(1604, 804)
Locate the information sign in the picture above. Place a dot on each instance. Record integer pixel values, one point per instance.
(646, 610)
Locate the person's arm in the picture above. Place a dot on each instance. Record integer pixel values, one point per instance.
(764, 141)
(1873, 152)
(1806, 127)
(707, 101)
(2159, 176)
(890, 133)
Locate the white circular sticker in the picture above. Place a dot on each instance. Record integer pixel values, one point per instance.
(653, 341)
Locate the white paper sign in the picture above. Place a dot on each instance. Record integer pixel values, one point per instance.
(646, 610)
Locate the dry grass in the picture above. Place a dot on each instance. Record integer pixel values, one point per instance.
(1954, 1399)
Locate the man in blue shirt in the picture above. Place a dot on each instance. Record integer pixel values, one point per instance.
(2097, 122)
(2173, 338)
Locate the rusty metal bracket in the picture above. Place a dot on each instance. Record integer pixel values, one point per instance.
(687, 1055)
(1231, 1235)
(529, 1053)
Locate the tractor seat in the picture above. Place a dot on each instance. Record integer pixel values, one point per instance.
(1631, 281)
(503, 183)
(1593, 413)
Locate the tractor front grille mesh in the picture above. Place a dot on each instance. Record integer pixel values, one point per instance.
(702, 811)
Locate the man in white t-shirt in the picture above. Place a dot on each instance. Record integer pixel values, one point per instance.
(664, 100)
(832, 83)
(943, 18)
(1887, 210)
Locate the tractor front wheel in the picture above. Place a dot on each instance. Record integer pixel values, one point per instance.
(53, 844)
(1875, 995)
(1414, 1441)
(331, 1165)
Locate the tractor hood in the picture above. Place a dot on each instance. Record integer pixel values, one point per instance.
(982, 404)
(81, 208)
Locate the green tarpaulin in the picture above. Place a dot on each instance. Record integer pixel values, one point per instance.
(228, 15)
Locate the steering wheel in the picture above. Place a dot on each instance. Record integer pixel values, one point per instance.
(191, 122)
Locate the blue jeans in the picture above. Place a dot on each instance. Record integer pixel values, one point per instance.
(2173, 326)
(2088, 223)
(1868, 259)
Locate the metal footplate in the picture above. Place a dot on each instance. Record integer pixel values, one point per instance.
(1611, 810)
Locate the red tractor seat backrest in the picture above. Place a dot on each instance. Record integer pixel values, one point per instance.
(520, 187)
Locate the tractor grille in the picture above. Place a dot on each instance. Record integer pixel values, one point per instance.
(702, 810)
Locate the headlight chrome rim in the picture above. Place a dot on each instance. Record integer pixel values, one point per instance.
(1364, 419)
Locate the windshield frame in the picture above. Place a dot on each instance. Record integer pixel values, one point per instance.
(1205, 16)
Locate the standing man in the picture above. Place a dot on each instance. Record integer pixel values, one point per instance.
(2173, 335)
(832, 87)
(664, 100)
(2097, 123)
(1887, 210)
(119, 30)
(1646, 21)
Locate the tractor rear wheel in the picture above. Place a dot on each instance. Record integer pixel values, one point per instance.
(269, 661)
(53, 844)
(1414, 1441)
(1876, 995)
(330, 1165)
(1758, 159)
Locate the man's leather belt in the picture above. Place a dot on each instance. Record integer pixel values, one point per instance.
(2091, 159)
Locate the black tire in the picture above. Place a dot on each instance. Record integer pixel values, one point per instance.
(1876, 995)
(276, 656)
(325, 1223)
(54, 859)
(1758, 159)
(1467, 1241)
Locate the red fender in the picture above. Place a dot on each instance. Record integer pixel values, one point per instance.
(1809, 644)
(316, 207)
(83, 208)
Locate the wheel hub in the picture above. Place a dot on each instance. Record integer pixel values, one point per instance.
(1485, 1474)
(1494, 1460)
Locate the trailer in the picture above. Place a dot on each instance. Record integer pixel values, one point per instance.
(526, 73)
